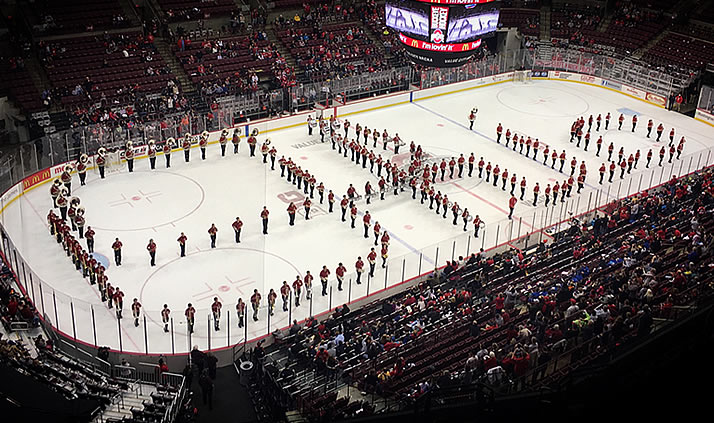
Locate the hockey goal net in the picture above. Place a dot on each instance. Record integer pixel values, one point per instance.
(522, 76)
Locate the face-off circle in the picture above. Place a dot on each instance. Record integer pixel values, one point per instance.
(227, 273)
(131, 206)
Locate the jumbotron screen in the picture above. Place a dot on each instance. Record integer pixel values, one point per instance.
(442, 33)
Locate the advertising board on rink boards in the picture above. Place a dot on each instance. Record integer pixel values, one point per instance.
(703, 116)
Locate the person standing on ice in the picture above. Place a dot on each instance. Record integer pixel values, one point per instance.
(237, 227)
(165, 313)
(190, 314)
(187, 147)
(212, 232)
(216, 311)
(182, 243)
(116, 246)
(136, 311)
(168, 146)
(264, 216)
(151, 248)
(472, 118)
(240, 312)
(512, 205)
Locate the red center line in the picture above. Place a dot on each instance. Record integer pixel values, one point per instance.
(486, 201)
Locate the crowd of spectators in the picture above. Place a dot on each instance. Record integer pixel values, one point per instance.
(505, 319)
(14, 306)
(575, 24)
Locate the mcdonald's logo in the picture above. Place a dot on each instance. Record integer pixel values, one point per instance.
(415, 43)
(36, 178)
(465, 47)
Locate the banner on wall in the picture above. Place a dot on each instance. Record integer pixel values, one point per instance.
(587, 78)
(704, 116)
(633, 91)
(656, 99)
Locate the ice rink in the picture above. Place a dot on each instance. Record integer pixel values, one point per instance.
(189, 197)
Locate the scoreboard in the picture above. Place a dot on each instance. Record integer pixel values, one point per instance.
(442, 33)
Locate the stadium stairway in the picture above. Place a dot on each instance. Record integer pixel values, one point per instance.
(652, 42)
(545, 23)
(168, 55)
(122, 405)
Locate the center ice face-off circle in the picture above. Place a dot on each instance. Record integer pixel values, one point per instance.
(131, 200)
(532, 99)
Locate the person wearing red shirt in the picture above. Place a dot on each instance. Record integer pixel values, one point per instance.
(620, 120)
(353, 215)
(613, 166)
(343, 204)
(496, 172)
(385, 254)
(523, 187)
(264, 216)
(366, 220)
(190, 314)
(118, 299)
(237, 227)
(602, 172)
(547, 194)
(508, 136)
(650, 124)
(461, 162)
(285, 293)
(151, 248)
(512, 205)
(292, 209)
(216, 311)
(472, 159)
(371, 259)
(297, 289)
(499, 131)
(649, 158)
(504, 179)
(307, 204)
(671, 136)
(212, 232)
(581, 182)
(556, 190)
(536, 190)
(136, 311)
(324, 274)
(182, 243)
(477, 225)
(255, 303)
(623, 168)
(536, 145)
(562, 160)
(116, 246)
(359, 268)
(165, 313)
(307, 280)
(340, 273)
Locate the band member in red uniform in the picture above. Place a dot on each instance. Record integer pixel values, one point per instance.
(129, 156)
(237, 227)
(536, 190)
(512, 205)
(477, 225)
(116, 246)
(182, 243)
(359, 268)
(165, 317)
(203, 143)
(223, 141)
(371, 259)
(212, 232)
(264, 217)
(255, 303)
(240, 311)
(307, 204)
(340, 273)
(151, 248)
(168, 146)
(292, 209)
(285, 294)
(499, 131)
(136, 311)
(353, 214)
(324, 274)
(186, 147)
(297, 290)
(366, 220)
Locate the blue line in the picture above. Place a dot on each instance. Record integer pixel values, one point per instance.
(485, 136)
